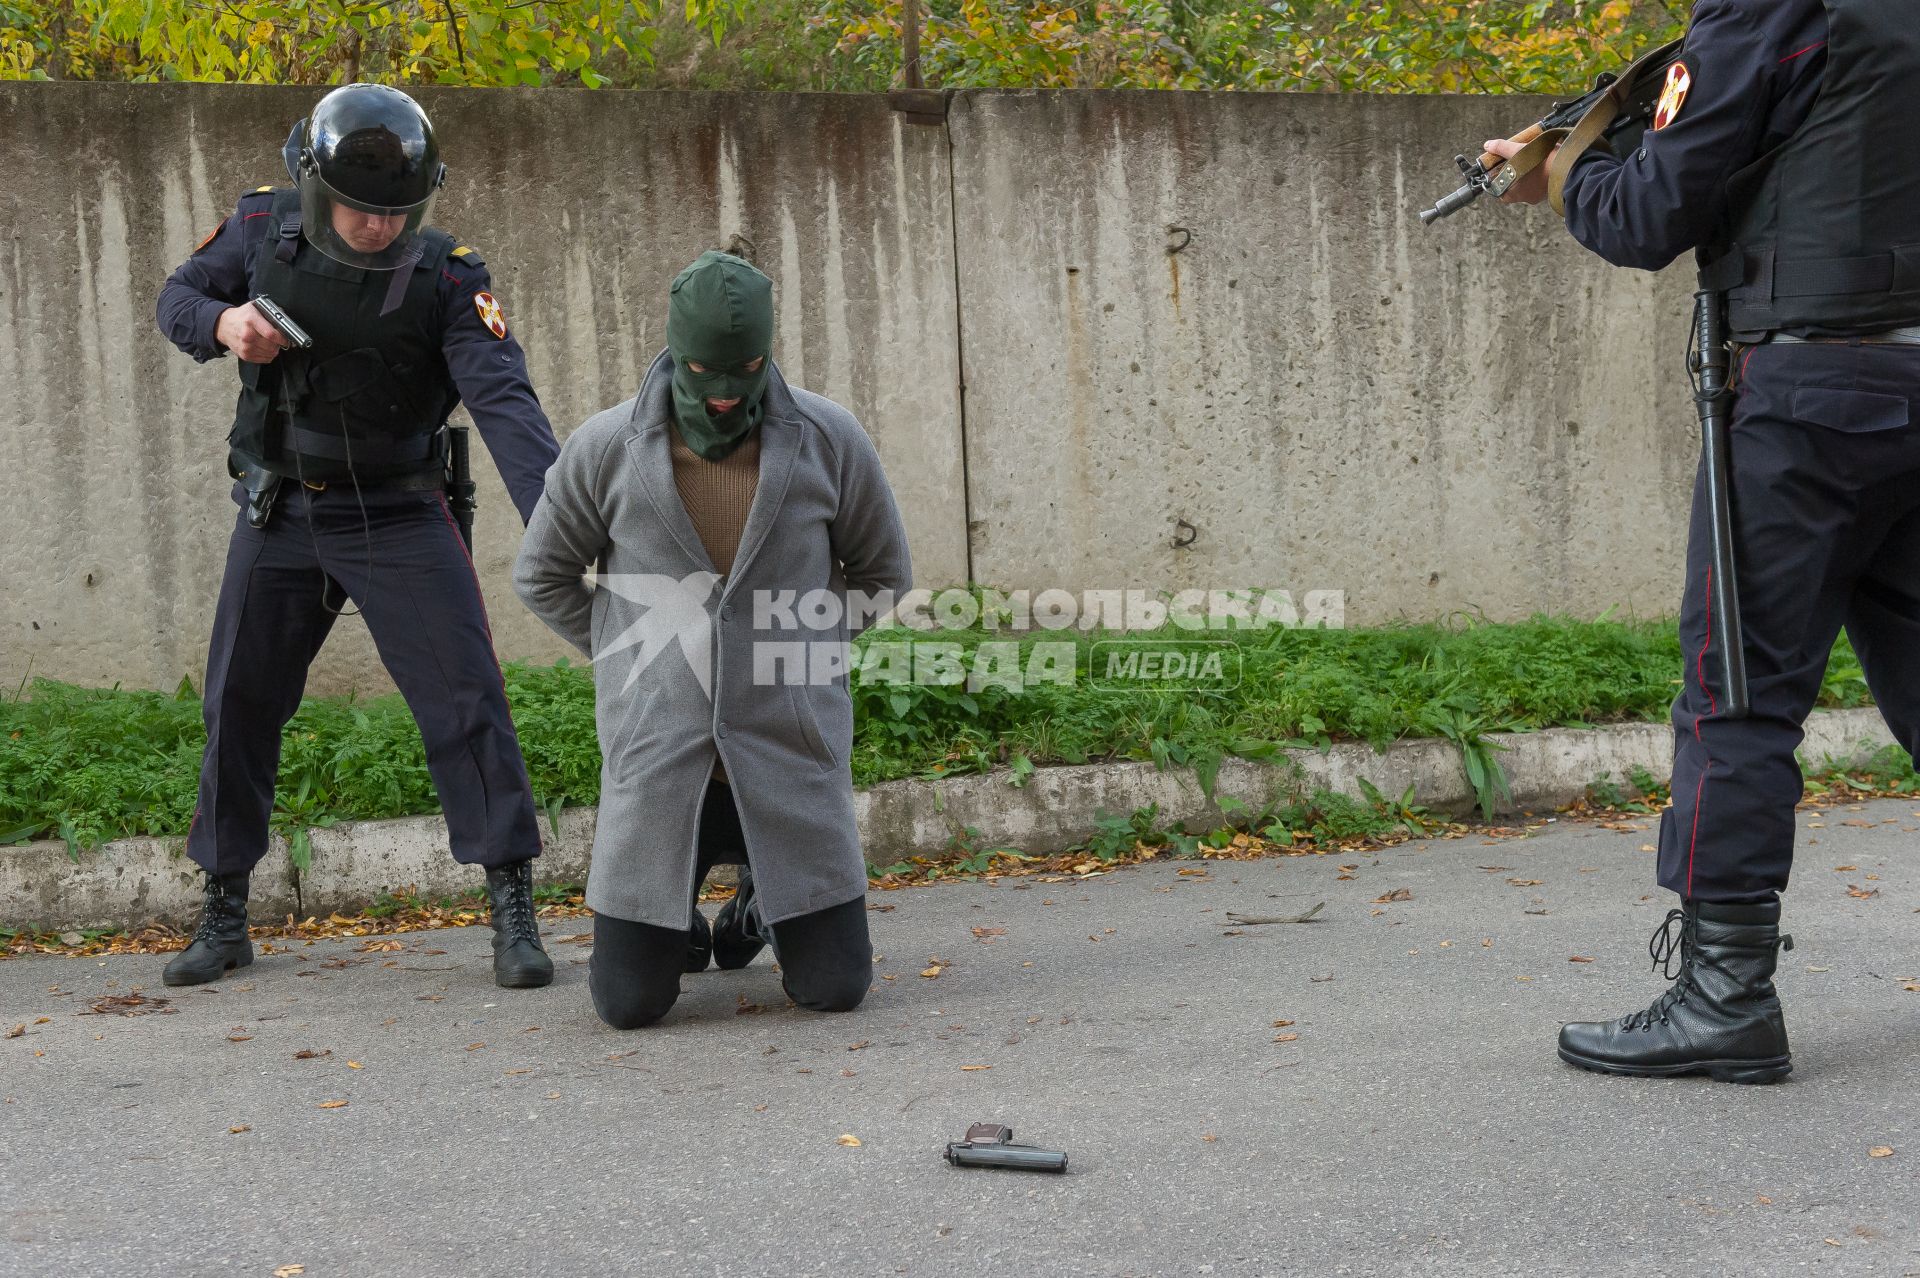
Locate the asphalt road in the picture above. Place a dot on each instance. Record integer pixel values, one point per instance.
(1419, 1123)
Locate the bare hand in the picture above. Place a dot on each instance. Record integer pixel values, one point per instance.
(1530, 189)
(245, 332)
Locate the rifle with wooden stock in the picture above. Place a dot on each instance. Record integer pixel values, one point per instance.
(1618, 111)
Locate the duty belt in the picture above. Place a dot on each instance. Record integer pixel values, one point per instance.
(1892, 337)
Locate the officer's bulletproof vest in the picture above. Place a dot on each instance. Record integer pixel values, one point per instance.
(1823, 233)
(369, 399)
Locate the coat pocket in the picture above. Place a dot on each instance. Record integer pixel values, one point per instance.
(810, 729)
(1853, 411)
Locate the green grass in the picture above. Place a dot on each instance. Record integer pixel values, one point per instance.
(89, 765)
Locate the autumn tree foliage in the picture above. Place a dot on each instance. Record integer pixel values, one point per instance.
(1392, 46)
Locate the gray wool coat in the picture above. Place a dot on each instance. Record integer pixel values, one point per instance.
(687, 663)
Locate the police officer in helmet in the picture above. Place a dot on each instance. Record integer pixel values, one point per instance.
(1767, 156)
(340, 450)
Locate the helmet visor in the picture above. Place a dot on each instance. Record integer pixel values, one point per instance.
(370, 237)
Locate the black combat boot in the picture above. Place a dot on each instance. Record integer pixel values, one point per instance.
(1720, 1017)
(520, 962)
(738, 935)
(220, 943)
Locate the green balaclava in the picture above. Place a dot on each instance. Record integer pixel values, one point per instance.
(720, 316)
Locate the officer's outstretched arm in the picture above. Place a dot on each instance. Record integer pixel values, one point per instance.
(567, 535)
(1647, 208)
(490, 371)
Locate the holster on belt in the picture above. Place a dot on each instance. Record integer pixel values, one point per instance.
(263, 490)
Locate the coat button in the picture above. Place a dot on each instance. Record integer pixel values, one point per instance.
(723, 730)
(726, 612)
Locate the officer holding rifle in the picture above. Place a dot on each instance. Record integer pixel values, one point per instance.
(1766, 154)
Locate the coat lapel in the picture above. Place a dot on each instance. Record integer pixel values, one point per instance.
(779, 445)
(653, 457)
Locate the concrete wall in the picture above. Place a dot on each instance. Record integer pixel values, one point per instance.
(1476, 416)
(1479, 416)
(584, 205)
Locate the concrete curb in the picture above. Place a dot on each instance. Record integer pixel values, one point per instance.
(135, 881)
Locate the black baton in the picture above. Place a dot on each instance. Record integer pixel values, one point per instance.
(460, 489)
(1712, 393)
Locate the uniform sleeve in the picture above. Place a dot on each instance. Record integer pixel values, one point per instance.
(868, 537)
(490, 371)
(1647, 208)
(210, 282)
(566, 535)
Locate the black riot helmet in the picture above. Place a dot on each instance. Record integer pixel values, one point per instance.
(368, 171)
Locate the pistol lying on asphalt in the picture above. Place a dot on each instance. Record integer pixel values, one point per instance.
(991, 1145)
(1618, 111)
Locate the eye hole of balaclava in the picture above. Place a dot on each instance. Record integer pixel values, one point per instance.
(719, 316)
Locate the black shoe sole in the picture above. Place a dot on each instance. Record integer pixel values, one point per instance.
(522, 980)
(244, 959)
(730, 959)
(1772, 1069)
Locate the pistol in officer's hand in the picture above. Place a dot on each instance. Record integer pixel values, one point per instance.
(246, 332)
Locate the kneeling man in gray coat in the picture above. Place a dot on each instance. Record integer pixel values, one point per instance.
(742, 531)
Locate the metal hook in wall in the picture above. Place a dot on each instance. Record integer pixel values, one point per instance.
(1191, 534)
(1187, 238)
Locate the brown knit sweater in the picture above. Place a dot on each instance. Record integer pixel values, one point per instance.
(718, 496)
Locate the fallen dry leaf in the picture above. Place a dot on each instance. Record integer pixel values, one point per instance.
(308, 1054)
(986, 935)
(241, 1128)
(1281, 1024)
(1880, 1151)
(1285, 1038)
(973, 1068)
(1843, 869)
(1578, 958)
(289, 1271)
(1526, 882)
(355, 1065)
(1208, 1137)
(17, 1031)
(855, 1047)
(1859, 893)
(1398, 894)
(332, 1104)
(239, 1038)
(850, 1141)
(931, 973)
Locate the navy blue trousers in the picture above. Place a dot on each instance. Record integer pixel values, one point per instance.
(407, 571)
(1825, 450)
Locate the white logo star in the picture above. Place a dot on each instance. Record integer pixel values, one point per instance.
(675, 609)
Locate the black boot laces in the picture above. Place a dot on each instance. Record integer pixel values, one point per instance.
(515, 917)
(1672, 951)
(212, 911)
